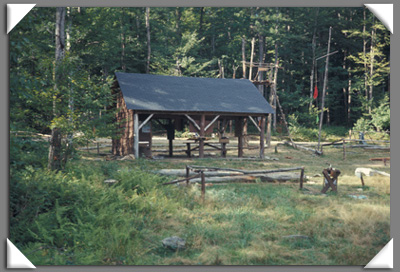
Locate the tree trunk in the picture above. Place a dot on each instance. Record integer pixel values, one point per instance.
(269, 119)
(221, 69)
(275, 82)
(261, 55)
(365, 57)
(68, 149)
(244, 56)
(137, 18)
(201, 20)
(371, 73)
(314, 42)
(123, 66)
(349, 100)
(251, 59)
(324, 87)
(54, 158)
(148, 40)
(178, 14)
(245, 137)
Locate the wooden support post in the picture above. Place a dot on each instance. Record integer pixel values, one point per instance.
(223, 150)
(301, 178)
(136, 135)
(240, 137)
(202, 136)
(203, 185)
(98, 149)
(262, 137)
(188, 150)
(171, 136)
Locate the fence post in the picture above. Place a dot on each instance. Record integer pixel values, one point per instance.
(203, 185)
(301, 178)
(344, 149)
(187, 175)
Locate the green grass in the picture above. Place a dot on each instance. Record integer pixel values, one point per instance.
(73, 218)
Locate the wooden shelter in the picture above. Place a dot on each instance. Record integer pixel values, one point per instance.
(199, 101)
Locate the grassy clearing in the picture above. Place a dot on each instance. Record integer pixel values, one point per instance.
(73, 218)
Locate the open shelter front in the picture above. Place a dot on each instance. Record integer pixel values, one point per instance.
(201, 102)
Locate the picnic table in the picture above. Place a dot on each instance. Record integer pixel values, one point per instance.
(195, 141)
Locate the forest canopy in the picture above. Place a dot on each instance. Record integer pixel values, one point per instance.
(199, 42)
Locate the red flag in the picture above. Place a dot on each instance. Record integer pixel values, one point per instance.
(315, 92)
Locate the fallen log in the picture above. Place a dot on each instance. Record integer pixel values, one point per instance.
(272, 177)
(384, 148)
(369, 172)
(370, 147)
(182, 173)
(337, 142)
(181, 180)
(297, 146)
(239, 178)
(380, 159)
(384, 160)
(205, 168)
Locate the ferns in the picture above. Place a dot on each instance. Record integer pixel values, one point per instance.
(74, 212)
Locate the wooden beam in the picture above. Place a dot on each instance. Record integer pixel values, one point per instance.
(330, 182)
(255, 123)
(136, 135)
(262, 137)
(173, 114)
(193, 122)
(202, 132)
(145, 121)
(212, 122)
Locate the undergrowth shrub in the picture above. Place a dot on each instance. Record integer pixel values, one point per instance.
(301, 132)
(73, 217)
(27, 152)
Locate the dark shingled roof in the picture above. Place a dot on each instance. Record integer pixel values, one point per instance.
(191, 94)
